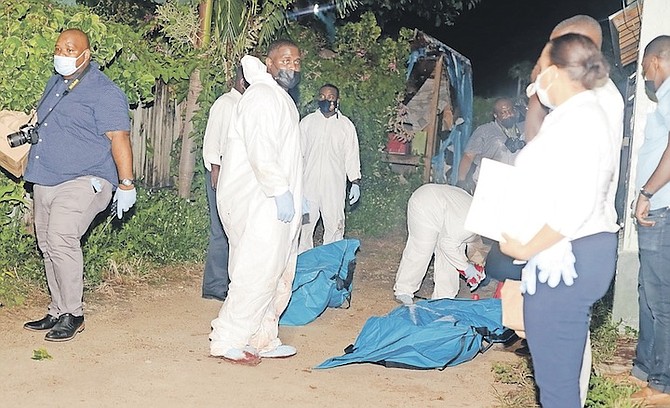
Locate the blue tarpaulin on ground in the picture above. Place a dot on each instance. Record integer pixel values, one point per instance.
(323, 278)
(429, 334)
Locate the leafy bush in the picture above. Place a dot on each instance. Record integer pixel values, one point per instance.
(161, 229)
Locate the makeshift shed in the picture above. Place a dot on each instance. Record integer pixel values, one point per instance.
(435, 117)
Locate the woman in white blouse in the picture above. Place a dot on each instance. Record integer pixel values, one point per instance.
(571, 260)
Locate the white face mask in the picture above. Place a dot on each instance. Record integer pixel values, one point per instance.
(66, 65)
(542, 93)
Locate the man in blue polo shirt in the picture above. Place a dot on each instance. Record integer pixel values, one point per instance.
(652, 359)
(81, 155)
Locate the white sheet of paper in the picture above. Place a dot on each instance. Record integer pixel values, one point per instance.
(503, 203)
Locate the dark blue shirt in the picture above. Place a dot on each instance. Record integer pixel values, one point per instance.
(72, 140)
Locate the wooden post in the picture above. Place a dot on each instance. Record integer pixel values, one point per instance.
(431, 129)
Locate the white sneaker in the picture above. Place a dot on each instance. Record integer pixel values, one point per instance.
(404, 299)
(282, 351)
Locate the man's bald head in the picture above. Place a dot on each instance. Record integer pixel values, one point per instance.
(659, 47)
(76, 35)
(580, 24)
(656, 61)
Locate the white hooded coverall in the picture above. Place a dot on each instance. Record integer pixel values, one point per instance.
(435, 218)
(330, 151)
(261, 160)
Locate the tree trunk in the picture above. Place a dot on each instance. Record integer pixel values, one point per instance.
(188, 154)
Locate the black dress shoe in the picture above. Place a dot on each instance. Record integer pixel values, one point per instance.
(67, 327)
(524, 350)
(45, 323)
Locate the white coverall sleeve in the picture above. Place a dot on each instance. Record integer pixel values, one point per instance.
(263, 138)
(352, 159)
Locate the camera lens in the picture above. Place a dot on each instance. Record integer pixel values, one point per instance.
(17, 139)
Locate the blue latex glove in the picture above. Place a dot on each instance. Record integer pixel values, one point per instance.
(354, 194)
(124, 200)
(285, 209)
(529, 277)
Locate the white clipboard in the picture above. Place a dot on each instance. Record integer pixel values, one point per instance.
(503, 202)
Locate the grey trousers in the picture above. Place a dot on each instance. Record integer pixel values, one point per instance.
(63, 213)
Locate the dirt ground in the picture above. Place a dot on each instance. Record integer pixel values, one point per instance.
(146, 345)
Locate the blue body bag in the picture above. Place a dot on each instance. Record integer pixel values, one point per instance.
(323, 278)
(429, 334)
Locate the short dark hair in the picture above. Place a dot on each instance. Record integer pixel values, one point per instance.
(659, 46)
(328, 85)
(581, 58)
(282, 42)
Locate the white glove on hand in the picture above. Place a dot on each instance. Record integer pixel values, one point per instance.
(285, 209)
(529, 277)
(474, 275)
(557, 263)
(354, 194)
(124, 200)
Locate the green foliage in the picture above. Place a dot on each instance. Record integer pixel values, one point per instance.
(163, 229)
(41, 354)
(436, 12)
(19, 262)
(370, 72)
(30, 29)
(607, 393)
(519, 374)
(482, 111)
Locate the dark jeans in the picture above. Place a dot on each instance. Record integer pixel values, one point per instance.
(652, 361)
(557, 320)
(215, 279)
(500, 267)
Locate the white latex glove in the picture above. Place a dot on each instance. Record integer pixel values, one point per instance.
(354, 194)
(124, 200)
(529, 277)
(285, 209)
(557, 263)
(473, 276)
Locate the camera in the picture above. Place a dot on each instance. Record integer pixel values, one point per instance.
(514, 144)
(26, 134)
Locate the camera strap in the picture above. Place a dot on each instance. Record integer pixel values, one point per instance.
(69, 89)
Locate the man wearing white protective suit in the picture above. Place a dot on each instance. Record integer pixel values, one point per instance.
(259, 194)
(435, 221)
(330, 151)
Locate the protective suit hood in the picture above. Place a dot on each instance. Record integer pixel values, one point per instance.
(255, 70)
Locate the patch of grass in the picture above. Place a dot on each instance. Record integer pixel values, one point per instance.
(41, 354)
(607, 393)
(519, 374)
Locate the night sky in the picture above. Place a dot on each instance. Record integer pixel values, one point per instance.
(499, 33)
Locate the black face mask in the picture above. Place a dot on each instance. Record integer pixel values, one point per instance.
(324, 106)
(508, 123)
(288, 79)
(650, 89)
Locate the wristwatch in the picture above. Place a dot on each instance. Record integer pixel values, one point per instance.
(646, 193)
(127, 182)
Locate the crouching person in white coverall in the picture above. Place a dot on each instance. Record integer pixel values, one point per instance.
(259, 195)
(330, 151)
(435, 217)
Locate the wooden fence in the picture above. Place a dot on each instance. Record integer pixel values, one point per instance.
(154, 130)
